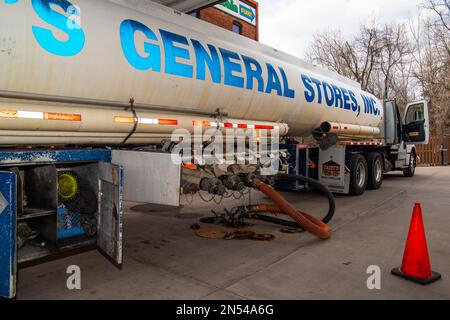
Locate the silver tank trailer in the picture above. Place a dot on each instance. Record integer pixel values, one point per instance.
(117, 50)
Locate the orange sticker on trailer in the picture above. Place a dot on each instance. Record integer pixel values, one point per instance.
(62, 117)
(124, 119)
(8, 113)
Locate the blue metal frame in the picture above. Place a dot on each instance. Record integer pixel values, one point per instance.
(12, 157)
(8, 251)
(298, 165)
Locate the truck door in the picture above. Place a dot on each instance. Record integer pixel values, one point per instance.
(416, 128)
(8, 249)
(110, 214)
(391, 123)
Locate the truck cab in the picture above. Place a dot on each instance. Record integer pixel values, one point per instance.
(402, 133)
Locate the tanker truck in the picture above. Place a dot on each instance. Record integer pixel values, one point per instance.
(107, 101)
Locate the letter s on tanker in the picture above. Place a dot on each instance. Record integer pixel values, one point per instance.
(102, 50)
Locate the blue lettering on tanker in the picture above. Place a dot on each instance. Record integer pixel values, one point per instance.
(179, 62)
(70, 27)
(231, 66)
(273, 81)
(176, 47)
(254, 72)
(172, 52)
(203, 58)
(152, 61)
(228, 67)
(370, 106)
(335, 96)
(288, 92)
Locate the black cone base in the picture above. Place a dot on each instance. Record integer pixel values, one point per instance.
(423, 281)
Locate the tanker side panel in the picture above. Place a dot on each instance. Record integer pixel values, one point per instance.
(101, 50)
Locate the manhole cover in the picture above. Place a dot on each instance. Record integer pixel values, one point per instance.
(212, 233)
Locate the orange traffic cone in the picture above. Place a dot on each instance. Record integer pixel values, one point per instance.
(416, 262)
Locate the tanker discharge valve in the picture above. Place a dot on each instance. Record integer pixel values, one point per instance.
(213, 186)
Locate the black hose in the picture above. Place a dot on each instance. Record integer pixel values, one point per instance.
(281, 222)
(316, 184)
(319, 186)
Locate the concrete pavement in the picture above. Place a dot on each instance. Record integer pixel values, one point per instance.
(164, 259)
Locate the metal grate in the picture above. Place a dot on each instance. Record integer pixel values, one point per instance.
(68, 224)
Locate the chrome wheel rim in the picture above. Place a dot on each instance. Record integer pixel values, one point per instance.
(360, 174)
(412, 162)
(378, 170)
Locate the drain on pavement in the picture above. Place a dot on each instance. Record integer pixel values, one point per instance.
(212, 233)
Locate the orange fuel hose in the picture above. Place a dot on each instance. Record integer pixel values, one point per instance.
(306, 221)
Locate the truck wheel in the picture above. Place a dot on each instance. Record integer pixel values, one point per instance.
(376, 170)
(358, 174)
(411, 170)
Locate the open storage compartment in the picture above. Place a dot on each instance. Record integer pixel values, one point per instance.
(63, 207)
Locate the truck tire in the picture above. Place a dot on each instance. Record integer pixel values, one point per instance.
(375, 169)
(411, 170)
(358, 174)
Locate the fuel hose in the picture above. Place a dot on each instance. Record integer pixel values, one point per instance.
(304, 220)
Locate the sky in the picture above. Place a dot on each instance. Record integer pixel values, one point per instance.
(289, 25)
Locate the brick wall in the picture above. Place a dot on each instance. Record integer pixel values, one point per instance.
(224, 20)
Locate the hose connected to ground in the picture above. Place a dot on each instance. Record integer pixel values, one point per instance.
(306, 221)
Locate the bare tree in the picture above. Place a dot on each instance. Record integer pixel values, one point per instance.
(395, 55)
(373, 57)
(432, 63)
(393, 62)
(441, 9)
(355, 59)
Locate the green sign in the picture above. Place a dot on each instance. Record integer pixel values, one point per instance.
(239, 9)
(230, 5)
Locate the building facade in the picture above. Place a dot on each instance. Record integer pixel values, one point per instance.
(239, 16)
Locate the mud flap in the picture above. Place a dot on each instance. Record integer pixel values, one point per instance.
(332, 170)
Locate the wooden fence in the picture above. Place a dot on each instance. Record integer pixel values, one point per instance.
(431, 153)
